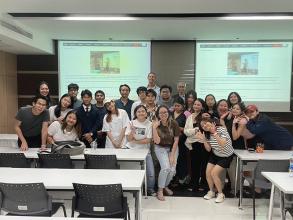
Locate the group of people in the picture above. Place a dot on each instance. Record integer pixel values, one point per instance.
(189, 137)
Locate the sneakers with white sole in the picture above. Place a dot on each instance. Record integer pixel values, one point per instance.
(210, 195)
(220, 198)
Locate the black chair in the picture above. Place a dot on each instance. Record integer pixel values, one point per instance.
(100, 201)
(259, 181)
(101, 161)
(62, 161)
(15, 160)
(29, 199)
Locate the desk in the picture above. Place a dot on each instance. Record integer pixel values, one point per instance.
(284, 183)
(8, 140)
(245, 155)
(130, 155)
(62, 179)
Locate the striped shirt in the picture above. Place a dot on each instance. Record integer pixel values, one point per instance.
(219, 151)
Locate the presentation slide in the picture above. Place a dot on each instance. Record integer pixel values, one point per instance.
(97, 65)
(259, 71)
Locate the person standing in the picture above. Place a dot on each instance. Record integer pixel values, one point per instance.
(73, 92)
(141, 92)
(165, 97)
(102, 111)
(152, 78)
(166, 133)
(181, 87)
(124, 102)
(88, 116)
(31, 124)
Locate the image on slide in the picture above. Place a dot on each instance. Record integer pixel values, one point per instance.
(105, 62)
(242, 63)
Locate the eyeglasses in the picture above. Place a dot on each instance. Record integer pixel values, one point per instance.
(162, 113)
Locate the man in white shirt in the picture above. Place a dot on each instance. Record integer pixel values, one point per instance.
(152, 77)
(141, 92)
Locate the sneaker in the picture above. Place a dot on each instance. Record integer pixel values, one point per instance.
(220, 198)
(152, 193)
(210, 195)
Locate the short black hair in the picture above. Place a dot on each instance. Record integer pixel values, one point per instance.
(38, 96)
(99, 91)
(179, 100)
(166, 87)
(120, 87)
(86, 92)
(151, 91)
(73, 86)
(141, 89)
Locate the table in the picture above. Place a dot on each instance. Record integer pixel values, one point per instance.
(62, 179)
(284, 183)
(245, 155)
(126, 155)
(8, 140)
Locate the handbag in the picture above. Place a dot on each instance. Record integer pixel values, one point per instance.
(68, 147)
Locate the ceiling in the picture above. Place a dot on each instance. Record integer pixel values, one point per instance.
(45, 29)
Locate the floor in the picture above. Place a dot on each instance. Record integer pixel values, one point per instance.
(196, 208)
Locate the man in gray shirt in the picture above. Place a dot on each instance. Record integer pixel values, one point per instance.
(72, 92)
(165, 97)
(32, 124)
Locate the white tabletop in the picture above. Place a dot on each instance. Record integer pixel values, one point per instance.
(266, 155)
(121, 154)
(8, 137)
(62, 179)
(281, 180)
(5, 217)
(8, 140)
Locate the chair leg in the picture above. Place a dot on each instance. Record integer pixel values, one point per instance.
(128, 213)
(64, 210)
(253, 196)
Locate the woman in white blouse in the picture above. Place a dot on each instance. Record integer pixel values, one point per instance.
(58, 112)
(67, 130)
(114, 124)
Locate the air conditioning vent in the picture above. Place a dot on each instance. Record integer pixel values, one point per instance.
(16, 29)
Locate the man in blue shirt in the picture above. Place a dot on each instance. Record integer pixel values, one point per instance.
(274, 136)
(124, 102)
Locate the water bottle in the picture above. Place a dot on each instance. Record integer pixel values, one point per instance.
(94, 145)
(291, 166)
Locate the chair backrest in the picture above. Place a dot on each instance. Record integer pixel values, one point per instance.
(15, 160)
(270, 166)
(100, 161)
(98, 199)
(25, 199)
(62, 161)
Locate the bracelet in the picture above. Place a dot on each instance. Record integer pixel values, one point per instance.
(43, 145)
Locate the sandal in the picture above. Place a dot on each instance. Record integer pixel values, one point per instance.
(160, 196)
(168, 191)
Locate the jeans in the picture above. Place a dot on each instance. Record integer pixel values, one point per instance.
(167, 171)
(150, 172)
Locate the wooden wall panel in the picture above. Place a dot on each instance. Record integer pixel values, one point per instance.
(8, 91)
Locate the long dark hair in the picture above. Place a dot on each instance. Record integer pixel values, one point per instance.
(214, 108)
(48, 98)
(109, 113)
(190, 93)
(57, 110)
(228, 99)
(77, 125)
